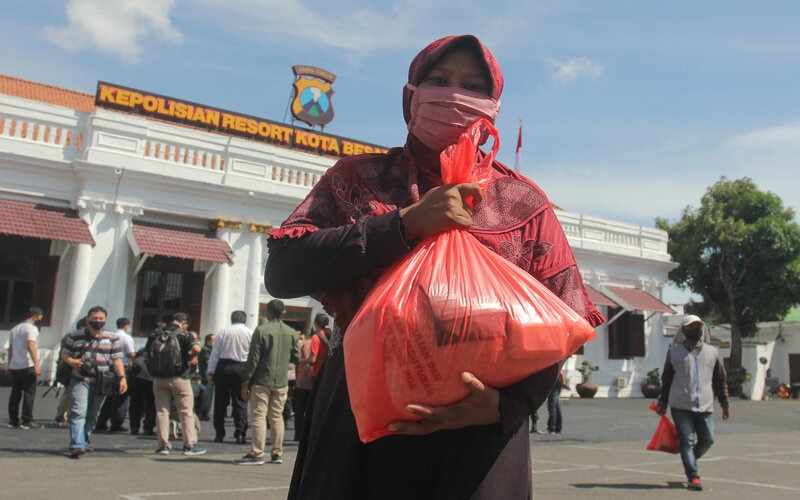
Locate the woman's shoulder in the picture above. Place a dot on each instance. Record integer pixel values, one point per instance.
(510, 201)
(366, 161)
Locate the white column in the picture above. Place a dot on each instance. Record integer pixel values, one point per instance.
(219, 291)
(255, 277)
(118, 279)
(77, 286)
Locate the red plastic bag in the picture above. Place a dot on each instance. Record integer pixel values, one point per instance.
(451, 306)
(666, 436)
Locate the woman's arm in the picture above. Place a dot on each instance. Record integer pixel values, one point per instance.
(332, 257)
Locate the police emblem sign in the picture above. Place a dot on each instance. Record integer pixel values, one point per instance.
(312, 99)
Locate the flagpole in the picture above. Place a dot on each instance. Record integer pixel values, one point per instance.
(518, 157)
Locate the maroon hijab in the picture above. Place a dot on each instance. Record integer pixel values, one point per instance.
(426, 159)
(430, 55)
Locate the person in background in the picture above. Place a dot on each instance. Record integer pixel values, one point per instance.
(265, 383)
(88, 352)
(291, 375)
(319, 344)
(367, 212)
(177, 388)
(199, 390)
(202, 367)
(62, 410)
(314, 356)
(534, 421)
(302, 388)
(23, 364)
(225, 370)
(115, 408)
(554, 417)
(142, 407)
(692, 376)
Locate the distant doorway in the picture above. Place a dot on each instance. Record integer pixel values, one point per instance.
(167, 285)
(794, 368)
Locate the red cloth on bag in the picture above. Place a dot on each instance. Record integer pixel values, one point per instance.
(666, 436)
(451, 306)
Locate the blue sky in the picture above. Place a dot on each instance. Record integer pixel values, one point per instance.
(630, 109)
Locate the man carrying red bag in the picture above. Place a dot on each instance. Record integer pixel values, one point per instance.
(692, 376)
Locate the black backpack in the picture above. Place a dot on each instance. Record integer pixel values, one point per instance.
(164, 358)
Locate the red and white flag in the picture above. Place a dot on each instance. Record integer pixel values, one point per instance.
(518, 158)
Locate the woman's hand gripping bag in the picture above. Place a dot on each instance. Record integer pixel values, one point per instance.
(452, 305)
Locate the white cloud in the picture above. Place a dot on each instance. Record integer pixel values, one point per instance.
(635, 199)
(577, 68)
(788, 135)
(117, 27)
(354, 27)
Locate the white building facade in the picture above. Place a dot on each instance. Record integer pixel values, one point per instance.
(146, 217)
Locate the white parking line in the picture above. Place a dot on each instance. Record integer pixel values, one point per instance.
(140, 496)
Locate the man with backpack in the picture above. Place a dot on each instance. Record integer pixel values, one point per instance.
(168, 352)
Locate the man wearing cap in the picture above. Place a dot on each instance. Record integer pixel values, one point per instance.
(177, 388)
(692, 376)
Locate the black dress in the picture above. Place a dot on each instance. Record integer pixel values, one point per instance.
(480, 462)
(334, 246)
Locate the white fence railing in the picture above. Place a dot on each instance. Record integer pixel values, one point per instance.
(53, 133)
(584, 231)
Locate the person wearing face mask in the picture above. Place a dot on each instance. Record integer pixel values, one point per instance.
(692, 376)
(89, 351)
(367, 212)
(23, 363)
(680, 337)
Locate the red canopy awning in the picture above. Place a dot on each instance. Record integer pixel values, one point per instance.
(35, 220)
(598, 298)
(638, 300)
(175, 241)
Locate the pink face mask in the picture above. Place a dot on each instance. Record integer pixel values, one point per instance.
(439, 115)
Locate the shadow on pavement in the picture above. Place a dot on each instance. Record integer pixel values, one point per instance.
(631, 486)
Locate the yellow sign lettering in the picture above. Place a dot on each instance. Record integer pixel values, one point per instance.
(227, 121)
(198, 115)
(301, 137)
(333, 146)
(240, 124)
(280, 133)
(161, 109)
(180, 111)
(106, 94)
(123, 98)
(149, 104)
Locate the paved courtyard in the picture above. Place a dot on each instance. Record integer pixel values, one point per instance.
(600, 454)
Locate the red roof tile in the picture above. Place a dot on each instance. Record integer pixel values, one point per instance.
(639, 299)
(181, 242)
(46, 93)
(43, 221)
(598, 298)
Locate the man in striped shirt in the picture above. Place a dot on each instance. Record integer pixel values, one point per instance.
(88, 352)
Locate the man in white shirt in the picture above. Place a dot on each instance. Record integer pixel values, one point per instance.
(115, 408)
(23, 363)
(225, 370)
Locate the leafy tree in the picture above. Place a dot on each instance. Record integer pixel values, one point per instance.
(740, 251)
